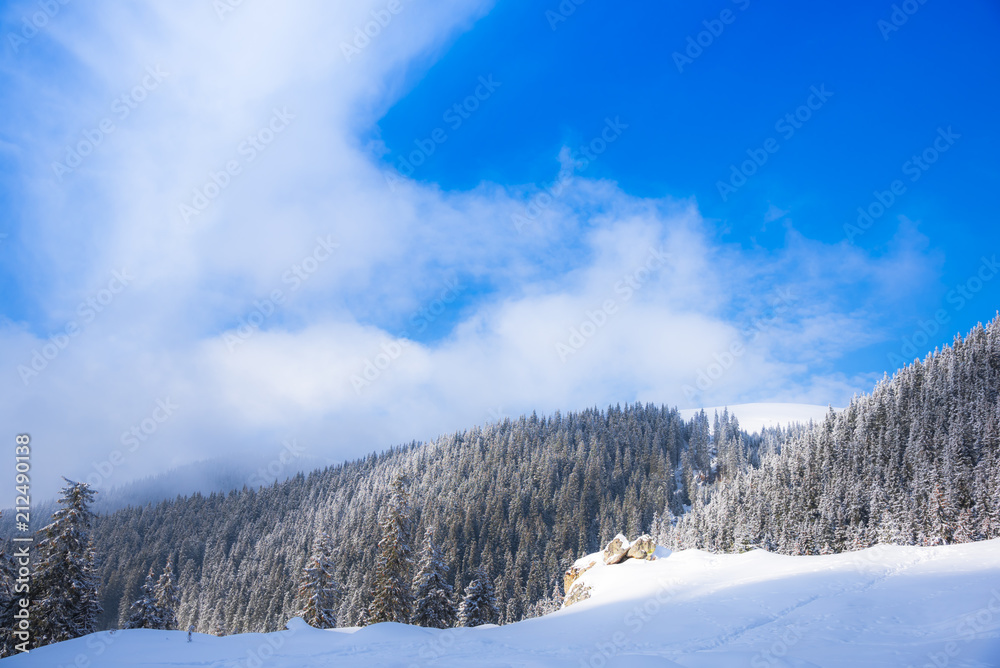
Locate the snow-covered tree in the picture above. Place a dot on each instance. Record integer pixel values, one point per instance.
(66, 577)
(318, 589)
(145, 613)
(548, 605)
(166, 597)
(435, 607)
(391, 596)
(479, 606)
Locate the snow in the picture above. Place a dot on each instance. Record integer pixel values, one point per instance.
(754, 417)
(885, 606)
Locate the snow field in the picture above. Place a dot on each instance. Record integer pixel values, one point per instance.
(887, 606)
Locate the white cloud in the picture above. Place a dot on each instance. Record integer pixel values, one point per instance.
(165, 335)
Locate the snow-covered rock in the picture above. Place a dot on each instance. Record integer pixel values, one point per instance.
(615, 550)
(642, 548)
(619, 549)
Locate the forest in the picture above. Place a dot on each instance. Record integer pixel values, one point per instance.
(498, 512)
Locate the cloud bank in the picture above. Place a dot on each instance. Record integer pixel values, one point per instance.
(210, 260)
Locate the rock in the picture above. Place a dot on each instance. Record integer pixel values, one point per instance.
(642, 548)
(580, 592)
(573, 574)
(616, 550)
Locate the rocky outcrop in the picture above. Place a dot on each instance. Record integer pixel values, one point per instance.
(615, 552)
(580, 592)
(573, 574)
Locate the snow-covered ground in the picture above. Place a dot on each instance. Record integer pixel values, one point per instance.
(754, 417)
(885, 606)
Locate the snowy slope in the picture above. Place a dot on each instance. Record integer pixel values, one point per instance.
(886, 606)
(754, 417)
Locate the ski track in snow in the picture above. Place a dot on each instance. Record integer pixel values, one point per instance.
(740, 631)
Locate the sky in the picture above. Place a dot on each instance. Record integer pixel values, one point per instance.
(233, 225)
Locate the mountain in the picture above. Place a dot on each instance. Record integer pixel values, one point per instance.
(915, 462)
(520, 498)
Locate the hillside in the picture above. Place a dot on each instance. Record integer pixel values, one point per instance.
(916, 462)
(523, 498)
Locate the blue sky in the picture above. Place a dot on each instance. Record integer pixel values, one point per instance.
(242, 241)
(892, 90)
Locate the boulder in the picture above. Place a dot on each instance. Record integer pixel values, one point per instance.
(580, 592)
(573, 574)
(642, 548)
(616, 550)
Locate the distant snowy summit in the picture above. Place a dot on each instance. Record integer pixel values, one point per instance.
(755, 417)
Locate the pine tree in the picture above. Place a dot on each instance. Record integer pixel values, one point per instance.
(479, 605)
(145, 613)
(391, 595)
(166, 597)
(549, 605)
(434, 605)
(67, 582)
(318, 590)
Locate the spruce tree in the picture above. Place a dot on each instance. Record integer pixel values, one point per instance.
(166, 597)
(318, 590)
(67, 582)
(434, 605)
(479, 605)
(391, 596)
(145, 613)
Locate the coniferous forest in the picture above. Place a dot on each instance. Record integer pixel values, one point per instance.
(478, 526)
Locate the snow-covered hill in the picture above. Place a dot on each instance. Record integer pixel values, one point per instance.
(754, 417)
(885, 606)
